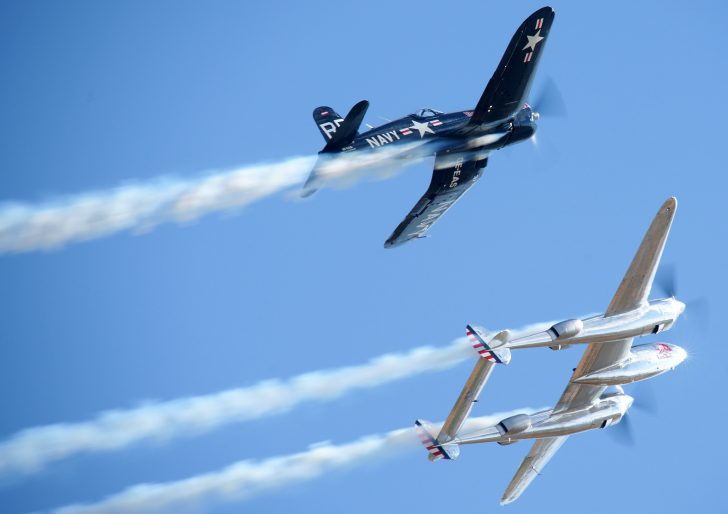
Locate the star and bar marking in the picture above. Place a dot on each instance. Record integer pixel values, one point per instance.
(533, 41)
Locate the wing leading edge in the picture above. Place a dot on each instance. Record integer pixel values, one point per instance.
(636, 285)
(537, 458)
(453, 175)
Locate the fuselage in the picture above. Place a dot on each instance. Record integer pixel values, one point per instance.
(429, 132)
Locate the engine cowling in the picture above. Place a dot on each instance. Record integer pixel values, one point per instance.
(566, 329)
(514, 424)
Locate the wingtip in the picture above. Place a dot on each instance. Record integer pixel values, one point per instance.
(669, 207)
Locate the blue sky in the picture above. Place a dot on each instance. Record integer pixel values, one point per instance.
(96, 95)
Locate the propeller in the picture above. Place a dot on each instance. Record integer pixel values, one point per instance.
(698, 309)
(549, 101)
(645, 400)
(623, 432)
(666, 279)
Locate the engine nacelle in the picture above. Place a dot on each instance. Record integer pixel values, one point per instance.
(514, 424)
(565, 329)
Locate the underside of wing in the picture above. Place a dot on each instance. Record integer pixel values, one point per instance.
(633, 292)
(537, 458)
(508, 88)
(454, 173)
(635, 287)
(596, 356)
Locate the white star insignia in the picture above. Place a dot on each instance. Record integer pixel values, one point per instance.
(422, 128)
(533, 40)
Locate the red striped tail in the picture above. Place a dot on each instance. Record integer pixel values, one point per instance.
(437, 451)
(492, 351)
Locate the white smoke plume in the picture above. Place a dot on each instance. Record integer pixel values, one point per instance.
(31, 449)
(247, 478)
(140, 207)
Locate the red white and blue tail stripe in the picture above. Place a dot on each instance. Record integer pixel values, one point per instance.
(437, 451)
(492, 351)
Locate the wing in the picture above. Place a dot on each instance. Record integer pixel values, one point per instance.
(454, 173)
(596, 356)
(508, 88)
(637, 282)
(632, 292)
(540, 454)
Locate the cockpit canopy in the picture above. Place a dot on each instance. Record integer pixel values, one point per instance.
(426, 113)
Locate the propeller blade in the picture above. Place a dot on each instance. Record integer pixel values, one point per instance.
(622, 432)
(549, 101)
(534, 142)
(698, 309)
(645, 398)
(666, 279)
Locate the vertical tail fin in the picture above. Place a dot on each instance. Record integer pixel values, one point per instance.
(337, 131)
(436, 450)
(491, 351)
(348, 129)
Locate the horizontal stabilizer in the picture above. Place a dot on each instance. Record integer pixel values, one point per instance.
(436, 450)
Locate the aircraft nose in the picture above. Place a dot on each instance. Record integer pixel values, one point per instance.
(680, 307)
(680, 354)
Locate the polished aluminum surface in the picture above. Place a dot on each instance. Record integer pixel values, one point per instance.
(609, 360)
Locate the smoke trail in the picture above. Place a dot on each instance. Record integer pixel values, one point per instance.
(31, 449)
(25, 227)
(141, 207)
(245, 479)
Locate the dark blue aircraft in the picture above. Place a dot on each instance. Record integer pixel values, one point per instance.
(460, 141)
